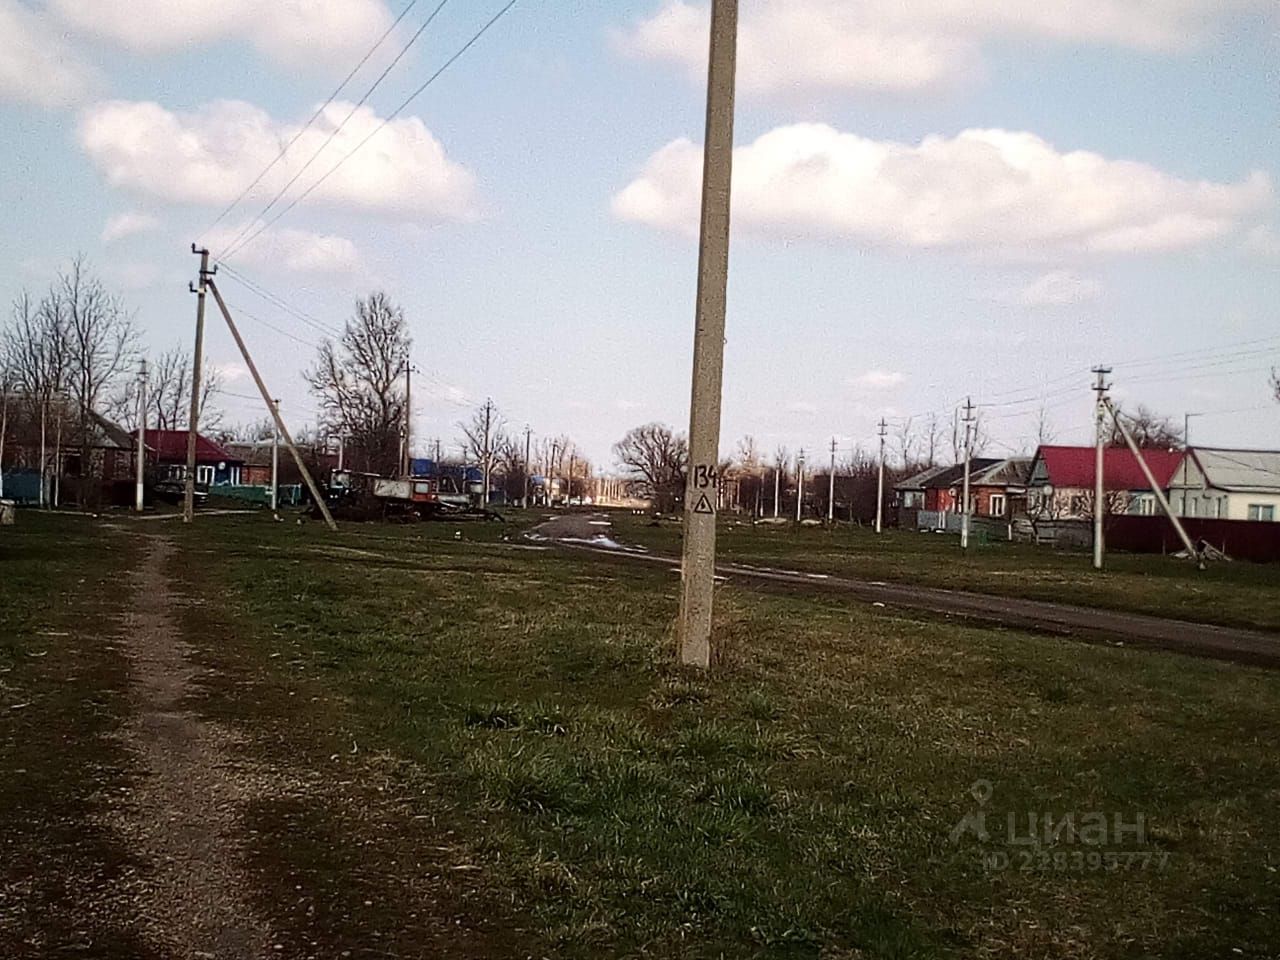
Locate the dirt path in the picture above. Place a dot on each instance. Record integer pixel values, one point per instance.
(181, 817)
(592, 533)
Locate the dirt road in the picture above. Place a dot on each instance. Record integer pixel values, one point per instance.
(593, 532)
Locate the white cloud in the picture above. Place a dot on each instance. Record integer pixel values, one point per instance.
(989, 192)
(880, 379)
(1054, 289)
(135, 275)
(908, 45)
(230, 372)
(209, 156)
(294, 251)
(802, 406)
(293, 32)
(37, 66)
(127, 225)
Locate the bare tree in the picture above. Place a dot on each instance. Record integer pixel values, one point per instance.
(36, 356)
(358, 383)
(932, 440)
(1046, 432)
(102, 337)
(1148, 429)
(483, 437)
(169, 395)
(907, 442)
(658, 458)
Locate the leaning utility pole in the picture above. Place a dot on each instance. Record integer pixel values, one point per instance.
(275, 413)
(275, 458)
(1155, 486)
(140, 479)
(968, 459)
(1099, 486)
(831, 485)
(698, 555)
(197, 361)
(799, 484)
(884, 429)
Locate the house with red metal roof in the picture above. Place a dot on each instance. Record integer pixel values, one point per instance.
(214, 465)
(1061, 484)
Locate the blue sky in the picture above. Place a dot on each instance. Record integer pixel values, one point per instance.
(884, 262)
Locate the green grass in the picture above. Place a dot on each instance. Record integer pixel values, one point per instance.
(800, 800)
(1231, 594)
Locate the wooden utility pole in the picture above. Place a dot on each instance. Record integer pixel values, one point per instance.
(1099, 486)
(831, 485)
(141, 471)
(270, 404)
(884, 429)
(197, 363)
(698, 556)
(968, 459)
(488, 457)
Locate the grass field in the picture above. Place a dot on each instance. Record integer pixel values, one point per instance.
(1231, 594)
(802, 801)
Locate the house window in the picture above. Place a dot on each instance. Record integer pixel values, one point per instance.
(204, 474)
(1189, 507)
(997, 505)
(1262, 511)
(1147, 506)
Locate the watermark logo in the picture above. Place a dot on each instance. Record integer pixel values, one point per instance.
(1063, 841)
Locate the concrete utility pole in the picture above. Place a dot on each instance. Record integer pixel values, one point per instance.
(1186, 453)
(528, 438)
(831, 485)
(275, 458)
(799, 484)
(1099, 485)
(44, 448)
(1155, 486)
(141, 466)
(698, 555)
(197, 363)
(884, 429)
(968, 459)
(777, 486)
(341, 451)
(488, 425)
(275, 413)
(4, 429)
(573, 463)
(406, 463)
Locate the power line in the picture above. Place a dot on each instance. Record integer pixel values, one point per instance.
(376, 130)
(314, 117)
(235, 244)
(277, 301)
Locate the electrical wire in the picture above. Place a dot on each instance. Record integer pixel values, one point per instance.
(376, 130)
(235, 244)
(314, 117)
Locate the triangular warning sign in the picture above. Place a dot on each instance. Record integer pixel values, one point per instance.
(703, 505)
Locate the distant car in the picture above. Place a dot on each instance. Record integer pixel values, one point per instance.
(175, 491)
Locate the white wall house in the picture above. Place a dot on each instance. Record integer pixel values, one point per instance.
(1222, 484)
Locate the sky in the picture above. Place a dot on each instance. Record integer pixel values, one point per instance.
(933, 200)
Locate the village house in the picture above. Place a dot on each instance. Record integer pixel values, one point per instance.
(1225, 484)
(1061, 481)
(215, 466)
